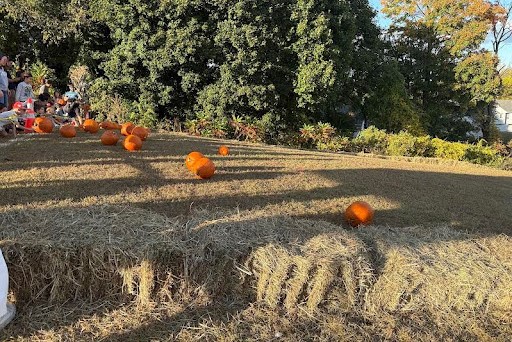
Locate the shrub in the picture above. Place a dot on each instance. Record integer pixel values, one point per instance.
(449, 150)
(208, 126)
(247, 128)
(335, 144)
(483, 155)
(401, 144)
(372, 140)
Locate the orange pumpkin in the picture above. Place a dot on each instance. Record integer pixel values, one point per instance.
(126, 128)
(68, 131)
(141, 132)
(192, 158)
(204, 168)
(109, 138)
(359, 213)
(132, 143)
(43, 125)
(91, 126)
(108, 125)
(223, 150)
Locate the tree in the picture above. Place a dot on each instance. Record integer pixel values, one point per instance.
(456, 29)
(506, 78)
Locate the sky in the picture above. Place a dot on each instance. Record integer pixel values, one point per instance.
(505, 53)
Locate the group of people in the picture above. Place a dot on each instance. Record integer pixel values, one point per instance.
(19, 105)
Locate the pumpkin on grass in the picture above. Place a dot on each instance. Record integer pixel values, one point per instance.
(223, 150)
(126, 128)
(359, 213)
(68, 131)
(204, 168)
(108, 125)
(91, 126)
(43, 125)
(192, 157)
(141, 132)
(132, 143)
(109, 138)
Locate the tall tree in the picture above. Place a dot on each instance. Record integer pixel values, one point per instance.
(458, 28)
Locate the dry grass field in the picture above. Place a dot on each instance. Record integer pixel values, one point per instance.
(103, 244)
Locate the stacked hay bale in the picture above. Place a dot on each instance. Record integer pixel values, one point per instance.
(400, 284)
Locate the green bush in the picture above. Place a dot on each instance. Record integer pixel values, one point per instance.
(335, 144)
(483, 155)
(449, 150)
(423, 146)
(319, 135)
(372, 140)
(207, 126)
(401, 144)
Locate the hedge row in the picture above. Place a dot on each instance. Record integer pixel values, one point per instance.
(323, 136)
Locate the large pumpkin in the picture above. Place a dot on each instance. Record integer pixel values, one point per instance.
(359, 213)
(204, 168)
(141, 132)
(192, 158)
(43, 125)
(108, 125)
(91, 126)
(68, 131)
(223, 150)
(132, 143)
(109, 138)
(126, 128)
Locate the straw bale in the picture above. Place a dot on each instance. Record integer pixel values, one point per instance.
(440, 280)
(327, 265)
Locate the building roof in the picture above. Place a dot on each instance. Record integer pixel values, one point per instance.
(506, 105)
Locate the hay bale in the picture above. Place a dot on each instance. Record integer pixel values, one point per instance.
(440, 281)
(106, 252)
(59, 254)
(327, 266)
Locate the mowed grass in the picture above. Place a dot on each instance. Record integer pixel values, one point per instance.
(50, 171)
(259, 252)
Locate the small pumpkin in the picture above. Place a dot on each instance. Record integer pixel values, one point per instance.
(204, 168)
(68, 131)
(359, 213)
(141, 132)
(223, 150)
(126, 128)
(43, 125)
(132, 143)
(91, 126)
(192, 157)
(109, 138)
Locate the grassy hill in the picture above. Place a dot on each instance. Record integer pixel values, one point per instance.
(106, 244)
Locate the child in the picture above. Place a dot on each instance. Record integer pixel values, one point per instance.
(24, 90)
(50, 114)
(40, 109)
(72, 109)
(9, 120)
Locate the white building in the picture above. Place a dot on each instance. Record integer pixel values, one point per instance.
(503, 118)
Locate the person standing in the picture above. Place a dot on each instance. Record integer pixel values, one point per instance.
(4, 81)
(24, 90)
(44, 91)
(13, 82)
